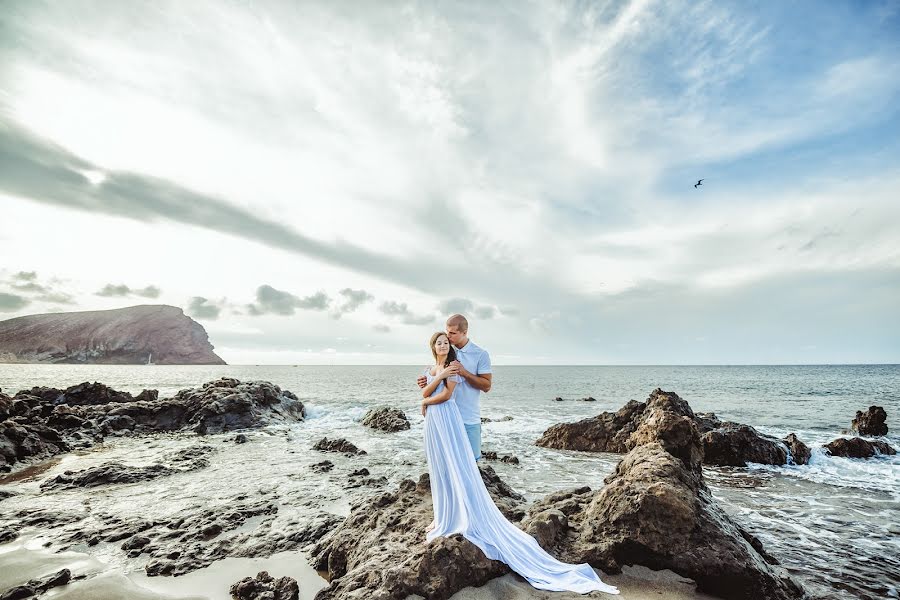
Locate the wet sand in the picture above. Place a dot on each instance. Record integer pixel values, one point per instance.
(95, 580)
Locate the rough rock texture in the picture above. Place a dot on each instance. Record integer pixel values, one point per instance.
(607, 432)
(188, 539)
(735, 445)
(858, 448)
(507, 458)
(44, 421)
(265, 587)
(723, 442)
(871, 422)
(38, 586)
(8, 535)
(378, 552)
(338, 445)
(23, 441)
(657, 511)
(133, 335)
(800, 452)
(386, 418)
(323, 467)
(189, 459)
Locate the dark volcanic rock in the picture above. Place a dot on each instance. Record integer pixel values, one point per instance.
(735, 445)
(225, 404)
(24, 441)
(38, 586)
(858, 448)
(47, 421)
(707, 422)
(657, 511)
(871, 422)
(7, 535)
(121, 336)
(188, 459)
(723, 443)
(379, 553)
(507, 458)
(607, 432)
(386, 418)
(338, 445)
(800, 453)
(6, 404)
(322, 467)
(109, 473)
(265, 587)
(90, 394)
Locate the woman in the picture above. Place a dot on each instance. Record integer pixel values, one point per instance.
(462, 503)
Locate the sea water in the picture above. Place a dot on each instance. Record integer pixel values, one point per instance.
(833, 523)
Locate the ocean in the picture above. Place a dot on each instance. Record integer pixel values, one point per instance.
(834, 524)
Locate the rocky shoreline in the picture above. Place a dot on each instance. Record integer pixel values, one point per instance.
(724, 443)
(654, 511)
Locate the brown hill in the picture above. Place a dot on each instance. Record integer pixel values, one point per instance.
(121, 336)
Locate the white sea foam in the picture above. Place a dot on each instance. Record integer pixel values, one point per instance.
(879, 473)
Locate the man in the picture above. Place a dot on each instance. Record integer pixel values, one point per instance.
(474, 364)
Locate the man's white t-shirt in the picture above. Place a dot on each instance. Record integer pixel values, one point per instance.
(476, 360)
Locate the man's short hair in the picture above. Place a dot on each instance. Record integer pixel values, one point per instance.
(459, 322)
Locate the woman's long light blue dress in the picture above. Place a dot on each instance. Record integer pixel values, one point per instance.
(463, 505)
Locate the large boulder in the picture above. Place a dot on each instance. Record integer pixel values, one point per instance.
(735, 445)
(858, 448)
(386, 418)
(656, 510)
(225, 404)
(871, 422)
(379, 551)
(607, 432)
(26, 441)
(722, 442)
(91, 394)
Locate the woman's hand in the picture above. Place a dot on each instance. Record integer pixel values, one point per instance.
(424, 408)
(448, 371)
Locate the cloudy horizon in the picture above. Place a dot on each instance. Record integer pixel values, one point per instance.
(325, 183)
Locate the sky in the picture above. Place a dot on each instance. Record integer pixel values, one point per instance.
(324, 183)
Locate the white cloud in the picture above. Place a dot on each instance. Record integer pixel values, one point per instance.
(371, 168)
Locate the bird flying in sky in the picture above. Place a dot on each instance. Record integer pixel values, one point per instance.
(698, 183)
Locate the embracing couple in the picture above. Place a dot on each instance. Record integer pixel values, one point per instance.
(451, 389)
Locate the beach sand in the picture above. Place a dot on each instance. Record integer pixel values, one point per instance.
(634, 583)
(95, 580)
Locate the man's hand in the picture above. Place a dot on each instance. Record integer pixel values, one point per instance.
(422, 381)
(461, 370)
